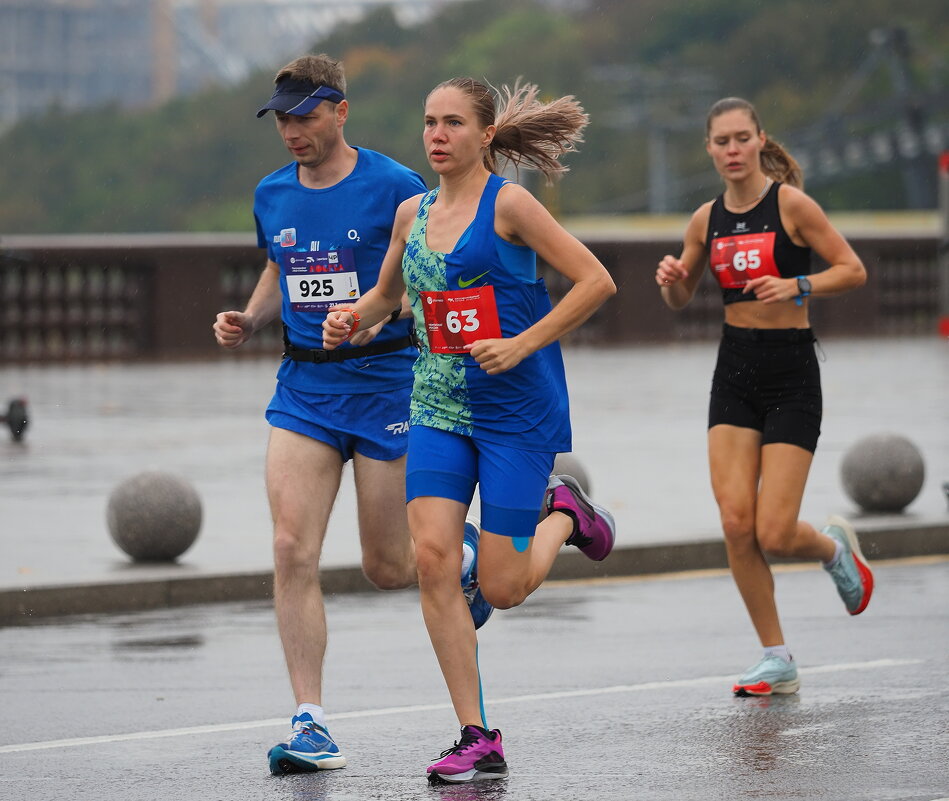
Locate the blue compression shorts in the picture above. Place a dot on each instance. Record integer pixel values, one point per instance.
(512, 481)
(373, 424)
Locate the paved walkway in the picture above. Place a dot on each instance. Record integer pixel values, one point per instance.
(639, 429)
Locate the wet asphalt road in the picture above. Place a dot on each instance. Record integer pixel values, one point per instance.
(606, 690)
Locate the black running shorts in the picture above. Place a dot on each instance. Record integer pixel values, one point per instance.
(768, 380)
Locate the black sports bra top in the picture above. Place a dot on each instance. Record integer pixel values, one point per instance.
(751, 244)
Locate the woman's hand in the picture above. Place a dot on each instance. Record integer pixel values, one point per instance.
(365, 335)
(671, 271)
(771, 289)
(497, 355)
(337, 327)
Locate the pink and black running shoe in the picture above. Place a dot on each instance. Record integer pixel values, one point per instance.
(477, 756)
(594, 530)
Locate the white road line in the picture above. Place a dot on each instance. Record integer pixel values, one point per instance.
(876, 664)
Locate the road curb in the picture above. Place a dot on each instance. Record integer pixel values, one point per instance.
(22, 606)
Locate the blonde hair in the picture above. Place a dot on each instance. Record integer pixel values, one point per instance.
(776, 162)
(529, 133)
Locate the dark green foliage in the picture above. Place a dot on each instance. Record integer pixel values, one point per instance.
(193, 163)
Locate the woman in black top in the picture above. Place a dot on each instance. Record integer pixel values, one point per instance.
(765, 408)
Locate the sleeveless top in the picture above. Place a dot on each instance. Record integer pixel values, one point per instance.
(751, 244)
(525, 407)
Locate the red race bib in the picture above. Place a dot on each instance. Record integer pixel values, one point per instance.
(736, 260)
(455, 320)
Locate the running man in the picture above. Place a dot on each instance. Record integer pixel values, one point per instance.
(325, 220)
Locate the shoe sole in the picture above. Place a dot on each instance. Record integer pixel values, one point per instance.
(863, 568)
(473, 775)
(762, 688)
(472, 606)
(571, 482)
(283, 762)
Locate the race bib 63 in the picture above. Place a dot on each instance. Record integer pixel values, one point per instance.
(455, 320)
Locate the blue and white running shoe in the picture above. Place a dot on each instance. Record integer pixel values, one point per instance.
(309, 748)
(851, 573)
(771, 676)
(480, 609)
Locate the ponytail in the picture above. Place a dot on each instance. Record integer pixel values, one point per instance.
(528, 133)
(780, 165)
(535, 134)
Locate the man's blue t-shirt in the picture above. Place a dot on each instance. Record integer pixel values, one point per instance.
(329, 244)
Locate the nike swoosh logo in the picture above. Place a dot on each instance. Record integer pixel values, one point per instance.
(465, 284)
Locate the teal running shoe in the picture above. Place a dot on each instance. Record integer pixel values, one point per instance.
(771, 676)
(480, 609)
(850, 572)
(309, 748)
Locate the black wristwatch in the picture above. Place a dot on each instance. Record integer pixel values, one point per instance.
(803, 289)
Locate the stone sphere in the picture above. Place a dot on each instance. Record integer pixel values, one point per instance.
(568, 464)
(154, 516)
(882, 473)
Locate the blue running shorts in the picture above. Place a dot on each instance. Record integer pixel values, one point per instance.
(512, 481)
(375, 424)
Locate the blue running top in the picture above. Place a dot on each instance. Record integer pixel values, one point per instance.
(321, 237)
(526, 407)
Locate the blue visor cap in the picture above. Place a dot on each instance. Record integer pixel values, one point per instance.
(300, 97)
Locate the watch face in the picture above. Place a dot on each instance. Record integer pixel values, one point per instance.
(804, 286)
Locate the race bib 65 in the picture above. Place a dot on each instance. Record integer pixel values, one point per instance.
(735, 260)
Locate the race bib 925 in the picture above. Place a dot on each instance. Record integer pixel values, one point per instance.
(319, 279)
